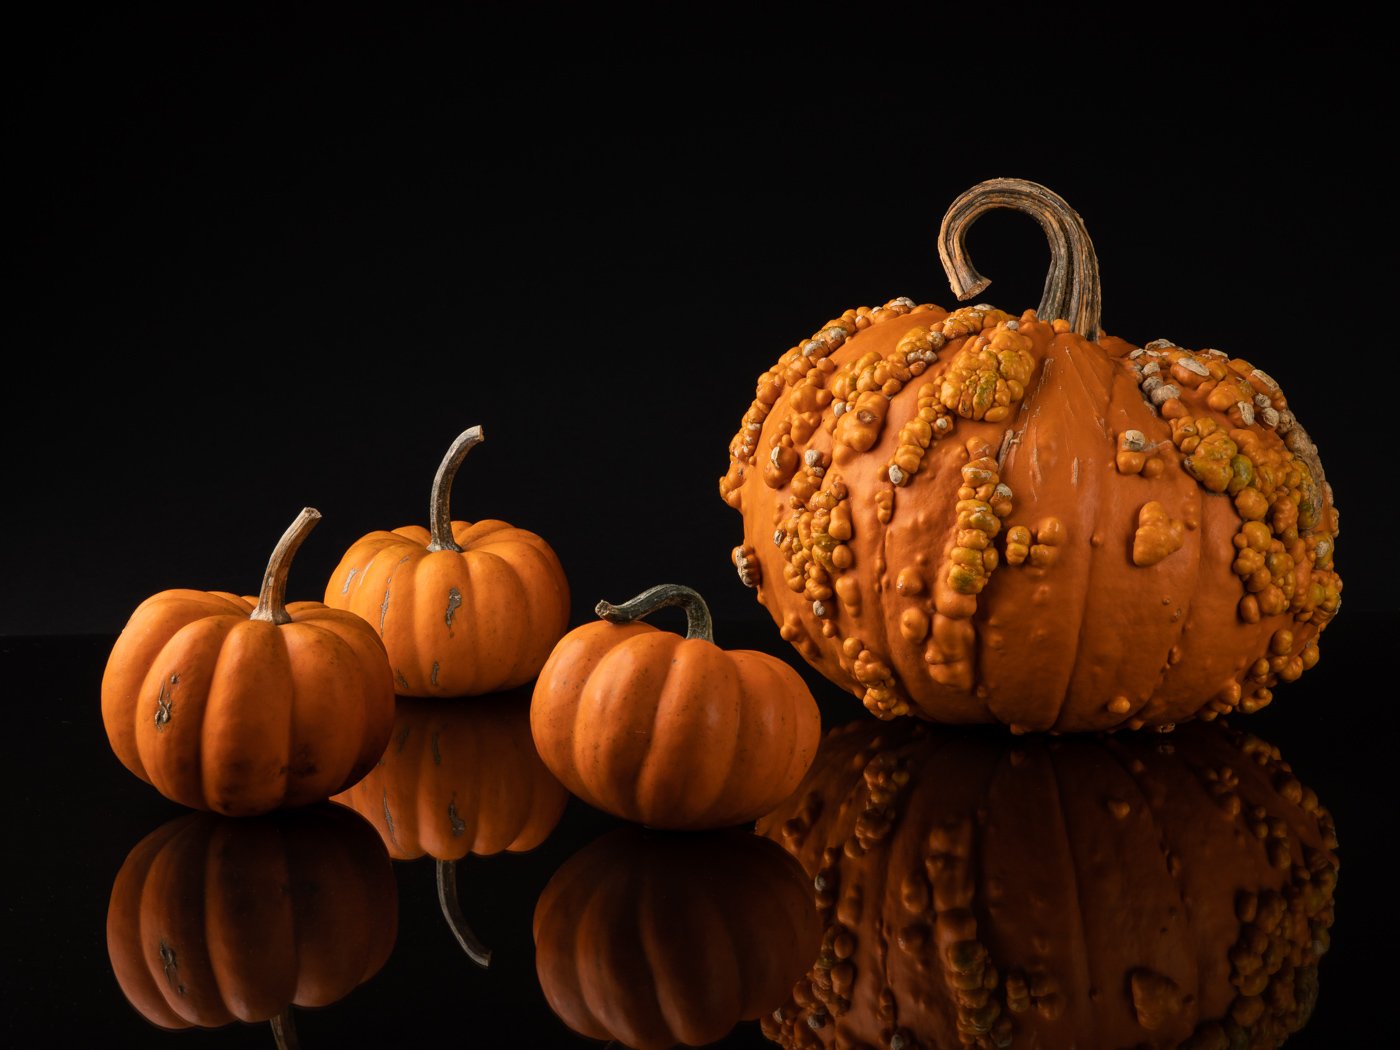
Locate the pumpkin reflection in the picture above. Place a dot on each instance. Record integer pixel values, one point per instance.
(460, 779)
(214, 920)
(653, 938)
(987, 891)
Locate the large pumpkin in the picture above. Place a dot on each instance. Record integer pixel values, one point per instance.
(979, 516)
(464, 608)
(459, 780)
(655, 939)
(242, 707)
(671, 732)
(214, 920)
(1053, 892)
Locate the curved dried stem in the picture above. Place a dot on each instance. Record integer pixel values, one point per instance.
(440, 511)
(1072, 289)
(272, 597)
(697, 614)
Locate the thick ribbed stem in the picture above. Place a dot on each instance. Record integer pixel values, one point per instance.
(284, 1032)
(272, 598)
(697, 613)
(440, 512)
(1072, 290)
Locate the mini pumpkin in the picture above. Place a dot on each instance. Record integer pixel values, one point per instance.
(214, 920)
(459, 780)
(982, 517)
(667, 731)
(657, 939)
(464, 608)
(1054, 892)
(242, 707)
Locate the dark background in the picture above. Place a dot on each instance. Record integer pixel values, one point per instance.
(271, 260)
(278, 257)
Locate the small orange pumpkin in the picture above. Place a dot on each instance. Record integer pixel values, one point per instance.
(464, 609)
(223, 704)
(671, 732)
(655, 939)
(459, 780)
(988, 891)
(974, 516)
(214, 920)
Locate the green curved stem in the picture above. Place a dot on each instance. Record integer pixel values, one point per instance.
(697, 614)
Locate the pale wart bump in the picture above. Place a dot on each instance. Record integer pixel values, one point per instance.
(1152, 368)
(1134, 440)
(1151, 383)
(1262, 400)
(1159, 344)
(454, 602)
(1246, 412)
(349, 576)
(1164, 393)
(812, 458)
(896, 475)
(1192, 365)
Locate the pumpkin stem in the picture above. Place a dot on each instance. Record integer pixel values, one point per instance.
(697, 614)
(452, 912)
(440, 513)
(284, 1032)
(272, 598)
(1072, 290)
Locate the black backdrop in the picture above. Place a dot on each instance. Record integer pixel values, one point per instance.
(276, 258)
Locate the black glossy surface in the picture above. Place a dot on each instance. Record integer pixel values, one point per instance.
(75, 813)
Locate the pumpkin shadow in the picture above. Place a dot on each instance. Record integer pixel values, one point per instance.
(214, 919)
(658, 938)
(460, 778)
(986, 890)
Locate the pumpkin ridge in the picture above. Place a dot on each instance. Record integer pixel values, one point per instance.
(1084, 977)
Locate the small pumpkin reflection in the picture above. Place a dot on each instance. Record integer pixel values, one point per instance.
(980, 890)
(214, 920)
(654, 939)
(460, 778)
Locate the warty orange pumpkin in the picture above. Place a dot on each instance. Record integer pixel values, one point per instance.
(987, 891)
(242, 707)
(982, 517)
(464, 608)
(460, 780)
(666, 731)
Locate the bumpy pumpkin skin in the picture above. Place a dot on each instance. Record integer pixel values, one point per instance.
(975, 517)
(457, 623)
(672, 732)
(213, 920)
(1049, 893)
(459, 780)
(655, 940)
(242, 716)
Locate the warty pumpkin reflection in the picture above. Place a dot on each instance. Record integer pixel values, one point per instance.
(1122, 890)
(666, 731)
(978, 516)
(464, 608)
